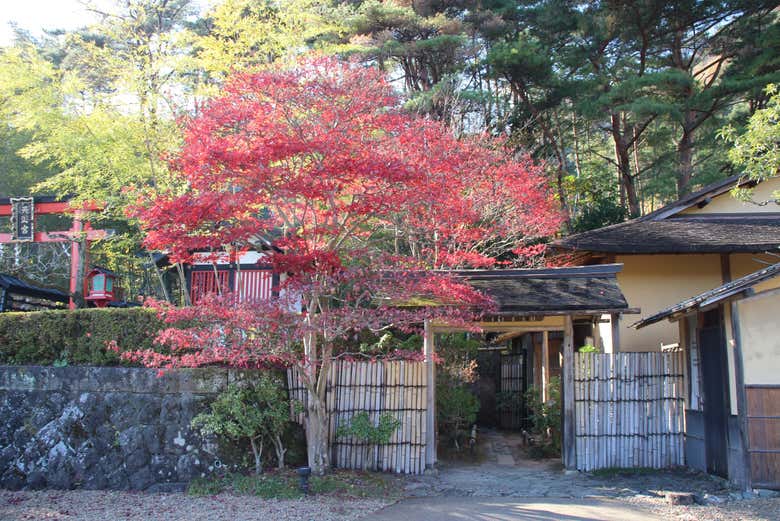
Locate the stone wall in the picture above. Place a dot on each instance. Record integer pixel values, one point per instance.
(104, 427)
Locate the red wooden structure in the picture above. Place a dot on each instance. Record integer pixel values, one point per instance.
(245, 275)
(23, 212)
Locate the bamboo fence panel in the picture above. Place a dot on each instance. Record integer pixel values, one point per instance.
(397, 388)
(629, 410)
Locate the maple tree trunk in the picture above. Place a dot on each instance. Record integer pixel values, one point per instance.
(316, 412)
(257, 452)
(280, 451)
(317, 436)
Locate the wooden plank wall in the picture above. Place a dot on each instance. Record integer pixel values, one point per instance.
(629, 410)
(763, 408)
(397, 388)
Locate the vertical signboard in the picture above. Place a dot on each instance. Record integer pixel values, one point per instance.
(22, 219)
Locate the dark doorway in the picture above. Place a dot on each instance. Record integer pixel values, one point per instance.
(511, 401)
(715, 380)
(503, 381)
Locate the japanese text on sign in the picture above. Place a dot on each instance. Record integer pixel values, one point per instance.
(22, 219)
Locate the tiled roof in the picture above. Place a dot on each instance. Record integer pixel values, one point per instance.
(717, 234)
(552, 290)
(668, 230)
(20, 287)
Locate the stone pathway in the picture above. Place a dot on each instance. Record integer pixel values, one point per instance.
(500, 469)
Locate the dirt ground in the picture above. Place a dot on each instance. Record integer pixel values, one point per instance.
(88, 505)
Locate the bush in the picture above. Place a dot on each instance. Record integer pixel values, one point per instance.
(456, 411)
(257, 410)
(74, 337)
(369, 435)
(546, 417)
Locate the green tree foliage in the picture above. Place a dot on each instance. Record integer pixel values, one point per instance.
(236, 35)
(95, 109)
(257, 410)
(756, 152)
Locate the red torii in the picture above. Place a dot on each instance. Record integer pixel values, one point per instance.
(80, 229)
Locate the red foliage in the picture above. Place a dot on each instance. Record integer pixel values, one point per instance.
(357, 196)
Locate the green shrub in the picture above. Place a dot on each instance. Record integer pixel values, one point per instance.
(363, 429)
(76, 337)
(257, 410)
(456, 410)
(546, 417)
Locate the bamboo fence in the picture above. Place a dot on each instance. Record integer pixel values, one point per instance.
(395, 387)
(629, 410)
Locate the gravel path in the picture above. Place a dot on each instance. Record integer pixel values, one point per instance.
(759, 509)
(88, 505)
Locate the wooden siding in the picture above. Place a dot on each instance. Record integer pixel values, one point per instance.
(254, 284)
(397, 388)
(206, 281)
(629, 410)
(251, 284)
(763, 408)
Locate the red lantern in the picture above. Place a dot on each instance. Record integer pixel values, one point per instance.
(100, 287)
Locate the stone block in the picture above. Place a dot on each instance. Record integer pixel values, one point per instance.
(679, 498)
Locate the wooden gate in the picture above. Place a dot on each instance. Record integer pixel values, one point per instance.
(629, 410)
(512, 408)
(397, 388)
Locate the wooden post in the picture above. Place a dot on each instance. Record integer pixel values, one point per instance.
(742, 415)
(429, 350)
(76, 260)
(615, 323)
(545, 365)
(569, 440)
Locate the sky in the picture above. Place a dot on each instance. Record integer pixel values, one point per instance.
(37, 15)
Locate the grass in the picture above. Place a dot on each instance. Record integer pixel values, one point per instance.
(283, 484)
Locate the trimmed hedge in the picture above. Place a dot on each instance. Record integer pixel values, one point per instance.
(74, 337)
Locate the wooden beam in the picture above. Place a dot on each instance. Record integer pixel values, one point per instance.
(615, 332)
(563, 312)
(739, 377)
(495, 328)
(545, 365)
(569, 440)
(53, 207)
(429, 349)
(90, 235)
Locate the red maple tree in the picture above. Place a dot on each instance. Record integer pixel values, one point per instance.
(357, 198)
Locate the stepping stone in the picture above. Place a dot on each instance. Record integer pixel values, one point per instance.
(679, 498)
(505, 459)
